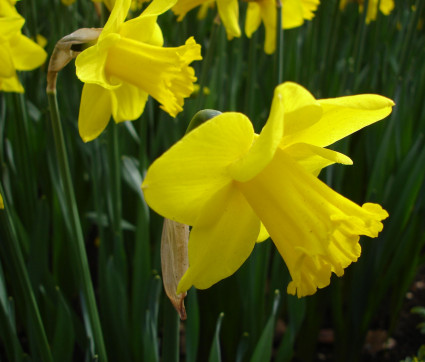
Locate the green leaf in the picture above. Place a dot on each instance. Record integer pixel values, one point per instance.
(64, 335)
(192, 326)
(215, 352)
(263, 350)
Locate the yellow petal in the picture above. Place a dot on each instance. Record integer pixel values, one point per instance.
(90, 63)
(164, 73)
(263, 235)
(27, 54)
(1, 202)
(95, 111)
(315, 229)
(144, 27)
(264, 147)
(10, 25)
(301, 109)
(116, 18)
(292, 14)
(203, 10)
(269, 16)
(386, 6)
(217, 250)
(158, 7)
(313, 159)
(295, 11)
(7, 68)
(253, 18)
(341, 117)
(11, 84)
(309, 6)
(178, 183)
(128, 102)
(229, 15)
(41, 40)
(182, 7)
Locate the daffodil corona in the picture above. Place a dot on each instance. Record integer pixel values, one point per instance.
(17, 52)
(127, 64)
(294, 12)
(235, 187)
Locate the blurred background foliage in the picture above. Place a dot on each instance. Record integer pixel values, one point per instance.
(248, 317)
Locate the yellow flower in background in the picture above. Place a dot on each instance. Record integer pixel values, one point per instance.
(17, 52)
(229, 184)
(41, 40)
(108, 3)
(135, 4)
(227, 9)
(1, 202)
(385, 7)
(294, 13)
(127, 64)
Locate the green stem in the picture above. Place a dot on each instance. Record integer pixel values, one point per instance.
(78, 247)
(280, 31)
(207, 63)
(26, 168)
(15, 261)
(115, 186)
(251, 77)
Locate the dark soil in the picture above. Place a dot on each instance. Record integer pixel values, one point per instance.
(404, 341)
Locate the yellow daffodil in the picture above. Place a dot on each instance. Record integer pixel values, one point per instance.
(17, 52)
(227, 9)
(135, 4)
(1, 202)
(294, 12)
(235, 187)
(385, 6)
(126, 64)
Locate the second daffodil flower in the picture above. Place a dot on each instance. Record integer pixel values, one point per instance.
(127, 64)
(17, 52)
(229, 184)
(294, 12)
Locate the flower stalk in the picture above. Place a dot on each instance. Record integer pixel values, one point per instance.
(77, 246)
(13, 254)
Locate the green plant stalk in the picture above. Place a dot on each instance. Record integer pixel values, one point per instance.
(171, 338)
(358, 52)
(142, 251)
(114, 162)
(206, 66)
(77, 246)
(25, 166)
(279, 70)
(18, 269)
(251, 76)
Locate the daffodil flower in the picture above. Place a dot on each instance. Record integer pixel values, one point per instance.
(294, 12)
(228, 11)
(135, 4)
(126, 64)
(17, 52)
(235, 187)
(1, 202)
(385, 6)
